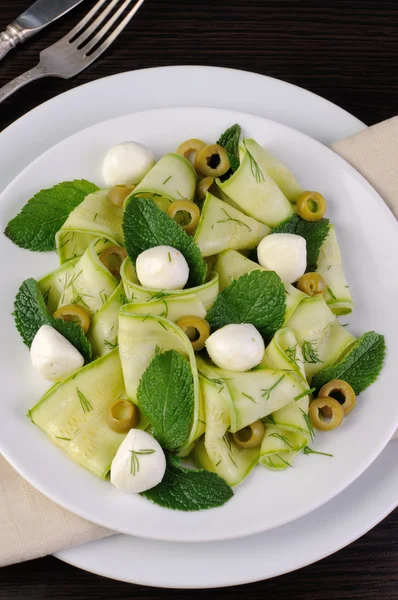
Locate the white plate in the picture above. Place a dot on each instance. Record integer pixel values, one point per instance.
(367, 258)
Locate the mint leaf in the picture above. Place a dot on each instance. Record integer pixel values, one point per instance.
(30, 313)
(314, 232)
(230, 141)
(146, 226)
(257, 298)
(188, 489)
(360, 367)
(34, 228)
(166, 397)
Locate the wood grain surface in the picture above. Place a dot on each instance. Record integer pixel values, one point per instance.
(345, 51)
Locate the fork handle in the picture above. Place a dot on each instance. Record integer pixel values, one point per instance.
(15, 84)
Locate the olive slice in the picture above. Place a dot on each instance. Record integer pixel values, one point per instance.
(311, 206)
(122, 415)
(212, 161)
(342, 392)
(203, 187)
(179, 207)
(311, 284)
(326, 413)
(118, 194)
(112, 258)
(250, 436)
(74, 313)
(197, 329)
(189, 149)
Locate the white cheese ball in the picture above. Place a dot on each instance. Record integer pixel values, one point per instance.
(127, 163)
(236, 347)
(284, 253)
(139, 464)
(53, 356)
(162, 268)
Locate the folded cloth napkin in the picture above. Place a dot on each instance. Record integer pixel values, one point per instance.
(33, 526)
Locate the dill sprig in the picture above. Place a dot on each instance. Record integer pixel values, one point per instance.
(305, 393)
(135, 463)
(84, 403)
(282, 438)
(310, 353)
(309, 424)
(229, 218)
(255, 167)
(111, 345)
(331, 293)
(249, 397)
(307, 450)
(266, 393)
(228, 443)
(287, 463)
(291, 353)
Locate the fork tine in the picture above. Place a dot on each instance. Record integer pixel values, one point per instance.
(85, 20)
(85, 33)
(102, 32)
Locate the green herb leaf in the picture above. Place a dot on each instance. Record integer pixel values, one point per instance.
(307, 450)
(34, 228)
(188, 489)
(146, 226)
(360, 367)
(230, 141)
(314, 232)
(30, 313)
(166, 396)
(257, 298)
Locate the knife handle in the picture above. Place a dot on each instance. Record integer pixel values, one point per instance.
(10, 37)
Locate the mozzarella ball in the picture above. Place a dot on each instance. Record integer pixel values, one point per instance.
(127, 163)
(139, 464)
(162, 268)
(284, 253)
(236, 347)
(53, 356)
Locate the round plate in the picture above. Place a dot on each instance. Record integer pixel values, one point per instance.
(253, 508)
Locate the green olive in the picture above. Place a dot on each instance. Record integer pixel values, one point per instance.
(212, 161)
(181, 206)
(118, 194)
(250, 436)
(190, 148)
(311, 284)
(326, 413)
(203, 187)
(311, 206)
(112, 258)
(197, 329)
(122, 416)
(74, 313)
(342, 392)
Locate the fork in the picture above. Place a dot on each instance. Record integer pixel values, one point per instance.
(79, 48)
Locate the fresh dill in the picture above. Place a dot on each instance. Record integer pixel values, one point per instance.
(328, 267)
(305, 393)
(135, 463)
(181, 196)
(287, 463)
(166, 310)
(282, 438)
(308, 423)
(167, 179)
(84, 403)
(157, 295)
(169, 255)
(95, 217)
(331, 293)
(255, 167)
(291, 353)
(163, 325)
(307, 450)
(228, 443)
(111, 345)
(58, 437)
(46, 295)
(266, 393)
(270, 419)
(104, 296)
(229, 218)
(310, 354)
(249, 397)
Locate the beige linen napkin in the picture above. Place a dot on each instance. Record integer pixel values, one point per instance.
(33, 526)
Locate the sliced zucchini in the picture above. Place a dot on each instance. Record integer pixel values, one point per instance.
(329, 265)
(216, 451)
(321, 337)
(172, 178)
(207, 293)
(231, 265)
(274, 168)
(170, 307)
(139, 338)
(221, 226)
(95, 217)
(253, 192)
(52, 285)
(73, 413)
(103, 332)
(89, 283)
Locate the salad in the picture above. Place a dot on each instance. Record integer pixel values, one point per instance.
(192, 329)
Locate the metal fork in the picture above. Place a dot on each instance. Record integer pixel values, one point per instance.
(77, 50)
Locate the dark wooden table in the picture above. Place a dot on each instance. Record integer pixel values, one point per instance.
(344, 50)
